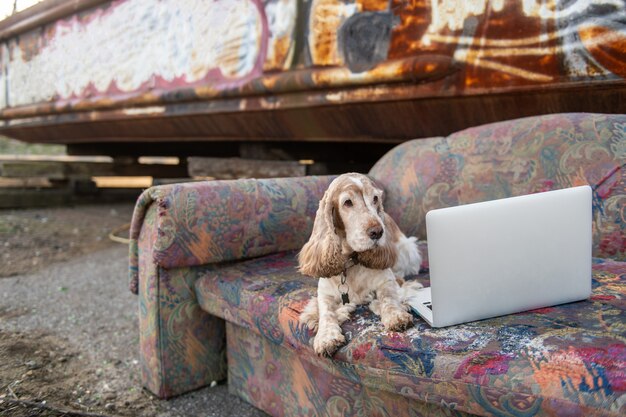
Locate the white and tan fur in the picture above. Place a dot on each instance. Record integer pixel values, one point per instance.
(351, 219)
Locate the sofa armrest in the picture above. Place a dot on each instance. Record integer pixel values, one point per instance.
(200, 223)
(181, 347)
(176, 232)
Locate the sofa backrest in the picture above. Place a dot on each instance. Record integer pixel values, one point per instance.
(513, 158)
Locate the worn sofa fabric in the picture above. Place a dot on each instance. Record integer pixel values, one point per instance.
(284, 383)
(182, 347)
(209, 222)
(564, 360)
(550, 361)
(513, 158)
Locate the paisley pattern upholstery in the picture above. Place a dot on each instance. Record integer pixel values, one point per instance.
(552, 361)
(182, 347)
(204, 252)
(513, 158)
(284, 383)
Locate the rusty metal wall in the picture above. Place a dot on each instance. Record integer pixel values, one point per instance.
(139, 55)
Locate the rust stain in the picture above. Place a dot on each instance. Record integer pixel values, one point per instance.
(30, 44)
(407, 35)
(493, 45)
(607, 46)
(326, 17)
(282, 50)
(420, 68)
(372, 5)
(505, 65)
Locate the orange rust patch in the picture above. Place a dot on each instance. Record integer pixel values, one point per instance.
(372, 5)
(406, 37)
(607, 46)
(282, 47)
(510, 65)
(324, 22)
(30, 45)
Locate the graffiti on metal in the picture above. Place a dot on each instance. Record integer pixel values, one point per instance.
(163, 51)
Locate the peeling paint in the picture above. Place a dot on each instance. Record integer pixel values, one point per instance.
(325, 19)
(281, 18)
(140, 44)
(452, 14)
(135, 53)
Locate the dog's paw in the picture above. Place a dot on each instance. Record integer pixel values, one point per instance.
(375, 307)
(343, 312)
(412, 286)
(327, 343)
(309, 319)
(397, 320)
(310, 316)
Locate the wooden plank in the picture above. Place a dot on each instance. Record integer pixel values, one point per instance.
(232, 168)
(26, 169)
(25, 183)
(25, 198)
(169, 181)
(60, 170)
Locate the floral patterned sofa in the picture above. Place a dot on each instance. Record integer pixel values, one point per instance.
(214, 266)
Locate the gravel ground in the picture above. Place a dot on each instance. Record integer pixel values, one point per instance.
(69, 345)
(32, 239)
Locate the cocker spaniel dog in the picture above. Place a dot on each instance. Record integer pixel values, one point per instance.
(361, 255)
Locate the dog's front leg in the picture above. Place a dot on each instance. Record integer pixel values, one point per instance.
(392, 313)
(329, 336)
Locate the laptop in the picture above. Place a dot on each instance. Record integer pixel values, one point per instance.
(505, 256)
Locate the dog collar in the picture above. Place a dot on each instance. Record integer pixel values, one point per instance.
(343, 286)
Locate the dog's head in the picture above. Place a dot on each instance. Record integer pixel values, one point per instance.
(350, 219)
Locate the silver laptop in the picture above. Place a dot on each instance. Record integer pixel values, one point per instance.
(505, 256)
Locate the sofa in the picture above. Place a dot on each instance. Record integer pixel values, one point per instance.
(214, 266)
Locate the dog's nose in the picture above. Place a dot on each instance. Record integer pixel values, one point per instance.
(375, 232)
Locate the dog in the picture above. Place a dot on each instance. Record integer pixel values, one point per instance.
(361, 256)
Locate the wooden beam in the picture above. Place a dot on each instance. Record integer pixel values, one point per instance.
(30, 197)
(60, 170)
(231, 168)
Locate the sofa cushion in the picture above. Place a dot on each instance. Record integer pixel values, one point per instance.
(563, 360)
(513, 158)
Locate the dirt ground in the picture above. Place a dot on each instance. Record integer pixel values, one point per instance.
(32, 238)
(42, 375)
(68, 324)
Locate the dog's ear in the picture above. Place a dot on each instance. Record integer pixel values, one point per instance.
(321, 256)
(383, 256)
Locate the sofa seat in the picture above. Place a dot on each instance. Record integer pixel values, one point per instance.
(563, 360)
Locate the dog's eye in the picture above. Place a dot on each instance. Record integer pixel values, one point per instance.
(347, 203)
(375, 199)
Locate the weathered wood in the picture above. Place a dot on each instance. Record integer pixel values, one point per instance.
(231, 168)
(60, 170)
(25, 183)
(168, 181)
(27, 169)
(32, 197)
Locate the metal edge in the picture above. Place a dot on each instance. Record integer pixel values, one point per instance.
(41, 14)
